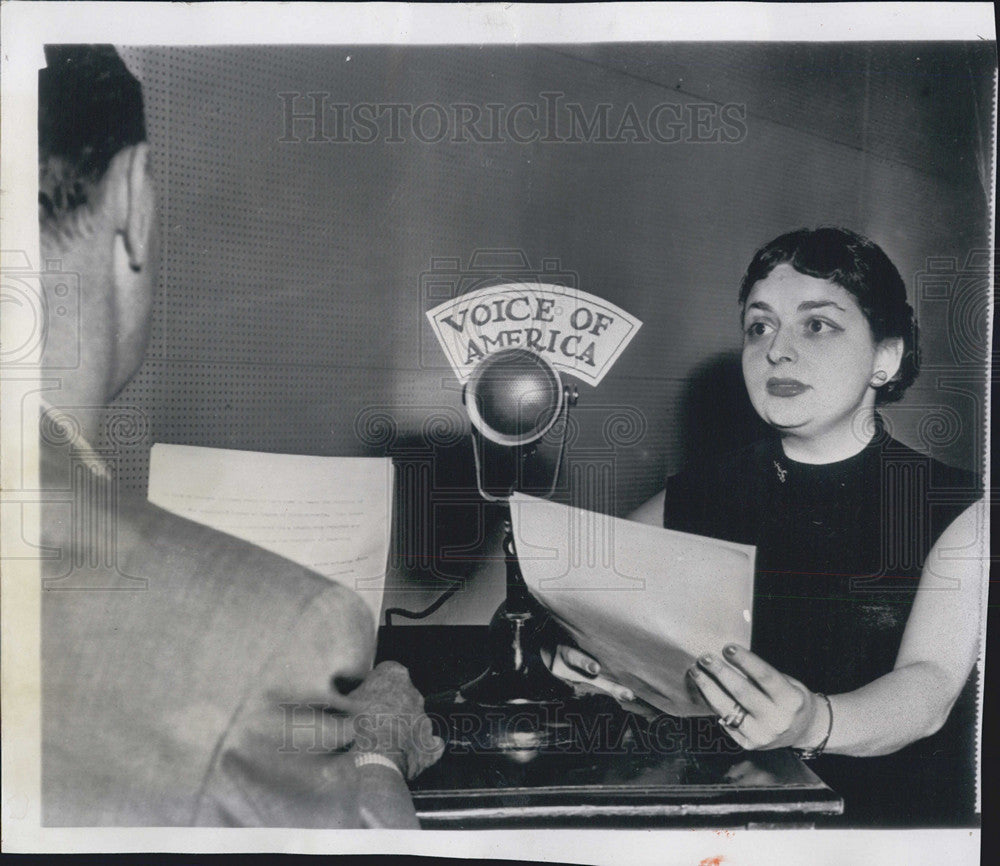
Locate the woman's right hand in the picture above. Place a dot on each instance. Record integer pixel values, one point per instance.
(580, 669)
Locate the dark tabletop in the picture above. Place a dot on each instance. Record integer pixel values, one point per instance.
(616, 769)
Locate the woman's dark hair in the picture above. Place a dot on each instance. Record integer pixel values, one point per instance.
(860, 267)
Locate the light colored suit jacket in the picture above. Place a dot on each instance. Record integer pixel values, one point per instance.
(172, 656)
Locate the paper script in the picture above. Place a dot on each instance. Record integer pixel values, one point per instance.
(329, 514)
(644, 601)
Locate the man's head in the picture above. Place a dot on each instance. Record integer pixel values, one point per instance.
(97, 215)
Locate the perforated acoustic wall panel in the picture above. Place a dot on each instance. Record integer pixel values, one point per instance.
(296, 272)
(270, 317)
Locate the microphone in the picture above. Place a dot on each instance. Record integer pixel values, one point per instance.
(514, 398)
(515, 401)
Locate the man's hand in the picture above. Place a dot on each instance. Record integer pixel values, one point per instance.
(388, 718)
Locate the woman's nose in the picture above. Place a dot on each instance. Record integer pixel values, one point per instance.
(782, 347)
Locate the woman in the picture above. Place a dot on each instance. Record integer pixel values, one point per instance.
(870, 575)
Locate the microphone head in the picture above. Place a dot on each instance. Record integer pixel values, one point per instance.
(514, 397)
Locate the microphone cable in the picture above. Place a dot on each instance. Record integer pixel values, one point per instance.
(390, 612)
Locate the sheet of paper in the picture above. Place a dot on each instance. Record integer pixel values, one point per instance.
(644, 601)
(329, 514)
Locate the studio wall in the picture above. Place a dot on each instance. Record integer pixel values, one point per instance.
(297, 272)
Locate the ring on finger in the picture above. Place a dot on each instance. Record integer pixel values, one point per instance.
(735, 718)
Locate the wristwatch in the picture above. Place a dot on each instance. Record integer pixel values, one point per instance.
(362, 758)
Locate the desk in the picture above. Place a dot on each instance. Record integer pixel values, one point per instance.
(667, 773)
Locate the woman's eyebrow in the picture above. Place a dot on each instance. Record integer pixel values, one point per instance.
(760, 305)
(813, 305)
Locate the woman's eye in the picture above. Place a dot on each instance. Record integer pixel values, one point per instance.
(820, 326)
(757, 329)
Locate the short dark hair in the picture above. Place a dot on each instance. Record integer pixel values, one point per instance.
(89, 108)
(859, 266)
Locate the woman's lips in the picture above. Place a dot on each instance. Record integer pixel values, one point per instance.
(785, 387)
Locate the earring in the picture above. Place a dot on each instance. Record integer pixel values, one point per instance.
(879, 378)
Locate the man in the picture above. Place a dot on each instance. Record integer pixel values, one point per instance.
(187, 677)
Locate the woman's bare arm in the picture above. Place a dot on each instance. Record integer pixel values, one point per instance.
(651, 511)
(939, 647)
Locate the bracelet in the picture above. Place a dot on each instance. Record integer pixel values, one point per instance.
(816, 751)
(362, 758)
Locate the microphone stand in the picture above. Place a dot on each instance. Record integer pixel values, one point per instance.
(517, 674)
(517, 705)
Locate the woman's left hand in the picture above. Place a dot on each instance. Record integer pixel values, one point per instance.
(758, 706)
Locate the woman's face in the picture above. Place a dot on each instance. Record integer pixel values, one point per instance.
(808, 354)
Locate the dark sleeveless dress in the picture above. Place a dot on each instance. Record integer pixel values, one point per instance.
(840, 549)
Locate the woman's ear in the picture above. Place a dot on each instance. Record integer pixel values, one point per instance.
(888, 358)
(141, 204)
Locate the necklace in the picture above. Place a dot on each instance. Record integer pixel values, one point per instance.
(782, 472)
